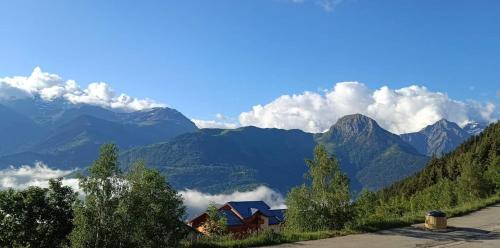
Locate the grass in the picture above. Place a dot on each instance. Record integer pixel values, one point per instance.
(414, 218)
(266, 238)
(269, 238)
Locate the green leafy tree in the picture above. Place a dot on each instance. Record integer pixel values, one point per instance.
(95, 217)
(300, 209)
(36, 217)
(472, 182)
(216, 223)
(150, 211)
(137, 209)
(365, 206)
(492, 174)
(325, 203)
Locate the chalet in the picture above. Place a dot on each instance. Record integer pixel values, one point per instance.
(245, 217)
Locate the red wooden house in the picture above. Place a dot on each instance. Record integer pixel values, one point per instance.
(245, 217)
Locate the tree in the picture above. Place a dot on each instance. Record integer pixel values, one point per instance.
(472, 182)
(325, 203)
(150, 211)
(493, 172)
(95, 218)
(300, 209)
(365, 206)
(215, 224)
(137, 209)
(61, 200)
(36, 217)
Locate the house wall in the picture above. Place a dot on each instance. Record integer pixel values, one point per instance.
(264, 223)
(198, 222)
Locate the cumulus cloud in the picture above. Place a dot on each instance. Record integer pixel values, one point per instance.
(36, 175)
(196, 202)
(403, 110)
(51, 86)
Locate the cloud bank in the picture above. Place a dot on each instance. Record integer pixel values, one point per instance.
(220, 121)
(51, 86)
(214, 124)
(403, 110)
(197, 202)
(36, 175)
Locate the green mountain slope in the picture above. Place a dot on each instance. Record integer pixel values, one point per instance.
(370, 155)
(16, 130)
(216, 160)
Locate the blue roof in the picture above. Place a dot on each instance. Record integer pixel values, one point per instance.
(231, 218)
(274, 220)
(279, 213)
(248, 208)
(245, 208)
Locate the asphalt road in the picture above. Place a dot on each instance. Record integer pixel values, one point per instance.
(479, 229)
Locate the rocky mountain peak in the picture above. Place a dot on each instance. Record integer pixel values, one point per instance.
(355, 124)
(474, 127)
(438, 138)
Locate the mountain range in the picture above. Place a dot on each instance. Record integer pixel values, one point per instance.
(65, 135)
(68, 136)
(437, 139)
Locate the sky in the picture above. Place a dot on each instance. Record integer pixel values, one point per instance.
(269, 63)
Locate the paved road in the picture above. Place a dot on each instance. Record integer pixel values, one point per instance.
(479, 229)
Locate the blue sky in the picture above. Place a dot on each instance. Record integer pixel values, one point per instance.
(225, 56)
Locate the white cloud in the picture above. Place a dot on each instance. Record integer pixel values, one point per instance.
(51, 86)
(403, 110)
(214, 124)
(37, 175)
(196, 202)
(327, 5)
(220, 121)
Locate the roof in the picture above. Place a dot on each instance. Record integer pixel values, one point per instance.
(248, 208)
(231, 218)
(279, 213)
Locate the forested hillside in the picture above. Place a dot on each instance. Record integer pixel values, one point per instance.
(218, 160)
(468, 174)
